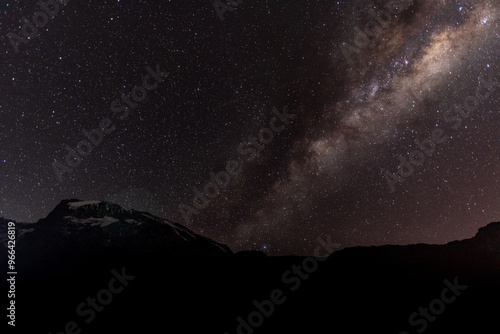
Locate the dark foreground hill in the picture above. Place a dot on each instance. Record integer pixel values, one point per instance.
(94, 267)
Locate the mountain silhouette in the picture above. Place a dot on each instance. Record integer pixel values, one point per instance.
(163, 276)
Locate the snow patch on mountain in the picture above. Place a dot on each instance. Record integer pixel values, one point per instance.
(76, 205)
(24, 231)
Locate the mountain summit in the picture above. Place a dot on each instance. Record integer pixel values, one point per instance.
(95, 226)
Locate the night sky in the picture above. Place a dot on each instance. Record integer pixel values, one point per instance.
(368, 85)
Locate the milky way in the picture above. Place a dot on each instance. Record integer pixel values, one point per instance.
(408, 74)
(367, 81)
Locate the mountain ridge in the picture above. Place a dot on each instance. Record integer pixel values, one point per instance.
(202, 286)
(118, 221)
